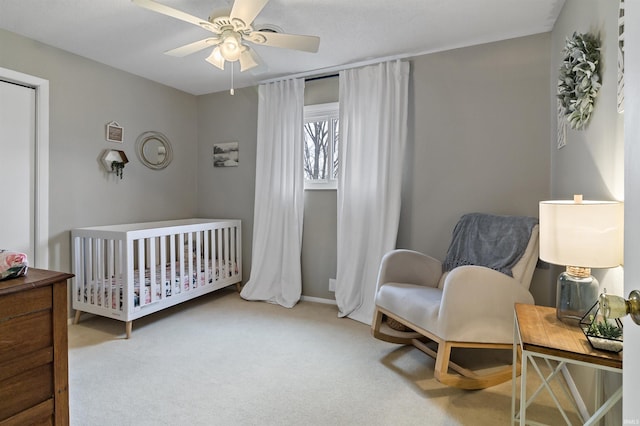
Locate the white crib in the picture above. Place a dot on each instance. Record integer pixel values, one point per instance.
(132, 270)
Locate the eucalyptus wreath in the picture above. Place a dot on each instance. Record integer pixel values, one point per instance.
(579, 78)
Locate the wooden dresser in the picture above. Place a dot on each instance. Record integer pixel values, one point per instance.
(33, 349)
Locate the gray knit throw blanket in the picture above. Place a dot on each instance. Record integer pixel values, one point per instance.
(497, 242)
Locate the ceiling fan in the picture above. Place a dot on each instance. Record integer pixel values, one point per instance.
(231, 32)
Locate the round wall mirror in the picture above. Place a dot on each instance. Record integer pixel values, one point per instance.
(154, 150)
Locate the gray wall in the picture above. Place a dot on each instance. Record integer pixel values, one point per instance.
(228, 192)
(84, 97)
(592, 162)
(478, 126)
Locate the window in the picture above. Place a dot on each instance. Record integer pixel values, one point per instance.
(321, 146)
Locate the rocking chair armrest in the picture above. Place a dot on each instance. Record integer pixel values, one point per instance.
(409, 267)
(480, 299)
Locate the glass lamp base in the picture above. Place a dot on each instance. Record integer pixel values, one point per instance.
(575, 296)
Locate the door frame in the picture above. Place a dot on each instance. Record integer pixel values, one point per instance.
(41, 225)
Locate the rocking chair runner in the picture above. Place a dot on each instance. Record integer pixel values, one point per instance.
(470, 306)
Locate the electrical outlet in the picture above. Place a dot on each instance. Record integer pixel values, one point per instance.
(332, 284)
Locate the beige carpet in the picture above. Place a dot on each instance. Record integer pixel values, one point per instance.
(220, 360)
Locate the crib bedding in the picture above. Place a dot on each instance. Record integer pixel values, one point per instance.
(128, 271)
(94, 295)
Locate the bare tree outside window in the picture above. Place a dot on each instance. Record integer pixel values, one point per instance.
(321, 145)
(321, 150)
(316, 146)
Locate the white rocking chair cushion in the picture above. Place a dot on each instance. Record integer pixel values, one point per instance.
(416, 304)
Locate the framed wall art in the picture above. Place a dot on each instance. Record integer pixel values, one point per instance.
(115, 132)
(225, 154)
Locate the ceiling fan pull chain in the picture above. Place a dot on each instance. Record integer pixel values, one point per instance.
(231, 91)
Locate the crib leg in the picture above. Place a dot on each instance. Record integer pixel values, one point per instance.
(239, 287)
(129, 325)
(76, 319)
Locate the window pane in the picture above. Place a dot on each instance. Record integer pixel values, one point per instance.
(316, 155)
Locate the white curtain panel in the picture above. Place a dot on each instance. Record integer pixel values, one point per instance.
(373, 133)
(277, 222)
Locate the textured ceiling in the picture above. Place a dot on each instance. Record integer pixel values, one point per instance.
(125, 36)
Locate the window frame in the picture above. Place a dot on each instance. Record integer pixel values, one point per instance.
(326, 111)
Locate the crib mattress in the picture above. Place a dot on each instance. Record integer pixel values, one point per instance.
(95, 296)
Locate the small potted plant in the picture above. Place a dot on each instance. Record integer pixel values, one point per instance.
(603, 333)
(117, 167)
(114, 161)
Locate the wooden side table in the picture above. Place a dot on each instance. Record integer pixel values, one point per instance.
(540, 334)
(33, 349)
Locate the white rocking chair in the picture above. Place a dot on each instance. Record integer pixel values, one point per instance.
(469, 306)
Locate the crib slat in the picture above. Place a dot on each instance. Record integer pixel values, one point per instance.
(227, 255)
(232, 253)
(189, 260)
(110, 273)
(207, 259)
(172, 256)
(151, 267)
(220, 255)
(198, 263)
(118, 278)
(238, 254)
(183, 282)
(127, 289)
(166, 289)
(142, 297)
(214, 254)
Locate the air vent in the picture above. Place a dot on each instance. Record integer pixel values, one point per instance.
(268, 28)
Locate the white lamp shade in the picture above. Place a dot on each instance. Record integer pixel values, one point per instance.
(585, 234)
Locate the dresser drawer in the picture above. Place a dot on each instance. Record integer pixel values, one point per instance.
(25, 334)
(26, 390)
(24, 302)
(40, 415)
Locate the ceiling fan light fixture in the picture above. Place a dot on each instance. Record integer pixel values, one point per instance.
(231, 48)
(248, 60)
(216, 58)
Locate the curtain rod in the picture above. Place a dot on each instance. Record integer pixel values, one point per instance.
(321, 77)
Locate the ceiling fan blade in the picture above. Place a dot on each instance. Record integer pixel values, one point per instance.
(247, 10)
(248, 60)
(288, 41)
(190, 48)
(174, 13)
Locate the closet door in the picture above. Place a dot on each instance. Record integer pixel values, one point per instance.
(17, 168)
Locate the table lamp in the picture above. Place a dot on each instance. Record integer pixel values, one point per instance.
(581, 235)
